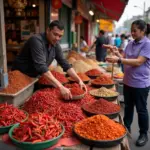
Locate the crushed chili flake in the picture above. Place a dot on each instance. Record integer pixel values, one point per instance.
(102, 106)
(99, 127)
(93, 72)
(60, 77)
(103, 79)
(82, 76)
(17, 81)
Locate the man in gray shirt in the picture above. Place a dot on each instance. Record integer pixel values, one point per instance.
(39, 52)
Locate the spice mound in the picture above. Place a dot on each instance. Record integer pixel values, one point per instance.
(39, 127)
(60, 77)
(103, 92)
(10, 115)
(99, 127)
(101, 106)
(17, 81)
(82, 76)
(103, 79)
(93, 72)
(75, 89)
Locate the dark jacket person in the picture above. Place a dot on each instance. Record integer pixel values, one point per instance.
(39, 52)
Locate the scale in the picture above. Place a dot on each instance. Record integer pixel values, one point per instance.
(3, 79)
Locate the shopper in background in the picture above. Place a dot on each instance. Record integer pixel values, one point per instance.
(100, 51)
(83, 46)
(124, 42)
(117, 41)
(136, 80)
(112, 40)
(39, 52)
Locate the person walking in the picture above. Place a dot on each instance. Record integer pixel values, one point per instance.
(136, 80)
(100, 51)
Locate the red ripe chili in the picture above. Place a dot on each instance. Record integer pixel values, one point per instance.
(102, 106)
(39, 127)
(10, 115)
(60, 77)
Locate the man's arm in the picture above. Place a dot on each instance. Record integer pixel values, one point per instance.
(39, 60)
(67, 67)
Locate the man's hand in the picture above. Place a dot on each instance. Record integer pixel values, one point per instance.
(65, 93)
(83, 86)
(112, 59)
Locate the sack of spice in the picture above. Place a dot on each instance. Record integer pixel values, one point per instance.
(99, 127)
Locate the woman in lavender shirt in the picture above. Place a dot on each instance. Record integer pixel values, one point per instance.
(136, 80)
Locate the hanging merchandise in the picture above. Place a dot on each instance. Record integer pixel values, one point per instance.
(18, 5)
(78, 18)
(57, 4)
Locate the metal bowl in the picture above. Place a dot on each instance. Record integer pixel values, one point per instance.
(100, 143)
(102, 85)
(109, 115)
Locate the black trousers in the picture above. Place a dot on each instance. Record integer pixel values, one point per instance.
(137, 97)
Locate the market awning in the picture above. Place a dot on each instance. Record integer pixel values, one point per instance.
(113, 9)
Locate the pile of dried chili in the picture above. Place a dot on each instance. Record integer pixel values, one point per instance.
(49, 101)
(103, 79)
(93, 72)
(17, 81)
(101, 106)
(10, 115)
(99, 127)
(60, 77)
(75, 89)
(39, 127)
(82, 76)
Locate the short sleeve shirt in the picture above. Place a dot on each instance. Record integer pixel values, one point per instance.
(138, 77)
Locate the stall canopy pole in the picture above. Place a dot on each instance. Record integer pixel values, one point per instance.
(78, 37)
(3, 60)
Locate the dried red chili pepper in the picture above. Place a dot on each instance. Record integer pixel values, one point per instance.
(49, 101)
(27, 132)
(10, 115)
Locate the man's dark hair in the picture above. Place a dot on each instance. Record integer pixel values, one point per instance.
(102, 32)
(123, 36)
(141, 24)
(81, 37)
(57, 24)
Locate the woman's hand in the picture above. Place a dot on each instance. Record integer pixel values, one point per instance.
(112, 59)
(113, 49)
(65, 92)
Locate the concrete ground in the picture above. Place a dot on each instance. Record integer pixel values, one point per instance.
(135, 131)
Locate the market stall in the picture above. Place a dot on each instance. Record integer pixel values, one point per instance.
(101, 98)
